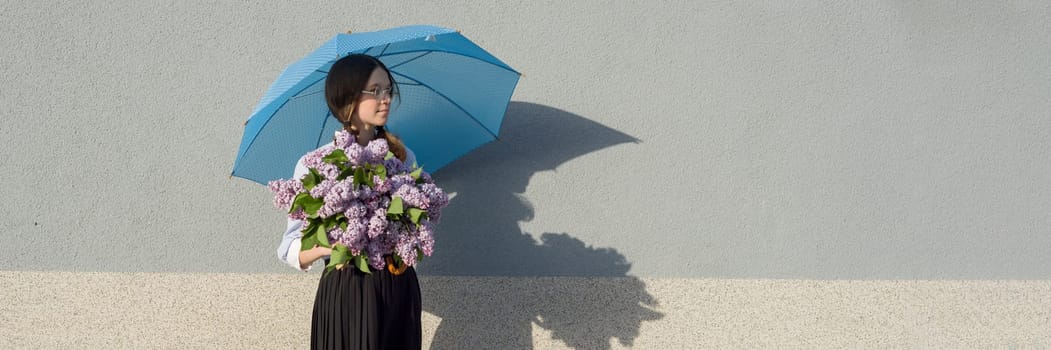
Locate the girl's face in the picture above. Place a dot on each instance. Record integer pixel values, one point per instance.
(374, 103)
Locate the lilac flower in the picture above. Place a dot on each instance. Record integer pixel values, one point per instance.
(343, 139)
(372, 203)
(376, 151)
(381, 185)
(298, 214)
(406, 249)
(354, 237)
(337, 196)
(328, 171)
(313, 158)
(397, 181)
(426, 237)
(436, 198)
(378, 223)
(395, 165)
(344, 190)
(335, 234)
(356, 210)
(321, 189)
(395, 229)
(365, 193)
(355, 154)
(378, 203)
(434, 214)
(412, 196)
(285, 192)
(326, 211)
(377, 249)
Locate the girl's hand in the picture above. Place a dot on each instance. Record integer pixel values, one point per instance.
(309, 256)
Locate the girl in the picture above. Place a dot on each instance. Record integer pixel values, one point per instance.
(352, 309)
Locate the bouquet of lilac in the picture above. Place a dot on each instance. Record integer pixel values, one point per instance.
(365, 204)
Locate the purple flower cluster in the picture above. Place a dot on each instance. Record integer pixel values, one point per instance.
(436, 200)
(355, 215)
(284, 192)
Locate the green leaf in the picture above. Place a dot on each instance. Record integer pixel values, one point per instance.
(337, 157)
(315, 234)
(416, 173)
(296, 202)
(311, 227)
(339, 255)
(419, 255)
(309, 239)
(395, 206)
(359, 176)
(368, 177)
(362, 262)
(381, 171)
(415, 214)
(310, 204)
(311, 179)
(324, 225)
(397, 260)
(334, 220)
(307, 243)
(389, 155)
(322, 236)
(345, 173)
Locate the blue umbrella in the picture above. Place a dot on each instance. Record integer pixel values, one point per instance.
(453, 98)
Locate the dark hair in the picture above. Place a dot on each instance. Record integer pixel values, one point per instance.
(343, 86)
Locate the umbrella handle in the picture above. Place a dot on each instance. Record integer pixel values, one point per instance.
(395, 270)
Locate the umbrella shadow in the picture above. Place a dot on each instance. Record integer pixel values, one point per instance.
(553, 282)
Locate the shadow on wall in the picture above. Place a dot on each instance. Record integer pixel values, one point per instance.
(479, 236)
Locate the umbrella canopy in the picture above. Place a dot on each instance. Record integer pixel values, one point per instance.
(453, 98)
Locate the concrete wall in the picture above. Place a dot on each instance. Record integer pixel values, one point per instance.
(651, 146)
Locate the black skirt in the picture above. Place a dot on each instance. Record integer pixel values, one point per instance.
(355, 310)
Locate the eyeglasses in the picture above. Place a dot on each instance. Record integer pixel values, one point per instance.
(380, 94)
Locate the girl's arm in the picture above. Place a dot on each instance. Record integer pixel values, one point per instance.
(291, 242)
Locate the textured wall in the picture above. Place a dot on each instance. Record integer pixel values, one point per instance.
(686, 140)
(698, 139)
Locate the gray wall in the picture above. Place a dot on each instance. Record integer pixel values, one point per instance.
(820, 140)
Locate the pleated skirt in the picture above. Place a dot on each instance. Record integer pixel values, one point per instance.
(355, 310)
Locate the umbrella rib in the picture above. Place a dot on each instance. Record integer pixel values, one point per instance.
(256, 136)
(409, 60)
(322, 131)
(458, 54)
(298, 96)
(452, 102)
